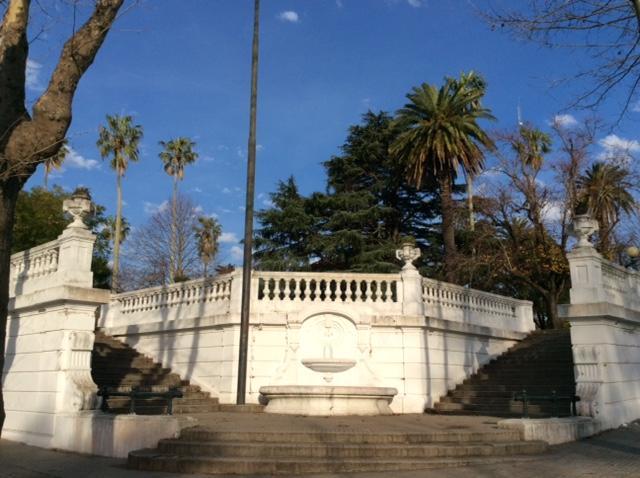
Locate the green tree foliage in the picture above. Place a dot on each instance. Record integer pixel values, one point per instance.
(361, 219)
(40, 219)
(120, 140)
(439, 135)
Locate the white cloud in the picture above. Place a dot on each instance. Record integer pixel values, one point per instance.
(267, 202)
(339, 4)
(552, 211)
(289, 16)
(73, 159)
(228, 238)
(33, 75)
(566, 120)
(208, 159)
(197, 190)
(226, 190)
(636, 107)
(415, 3)
(615, 148)
(236, 253)
(613, 142)
(153, 208)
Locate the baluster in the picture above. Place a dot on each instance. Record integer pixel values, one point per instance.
(323, 290)
(333, 286)
(286, 289)
(313, 289)
(302, 287)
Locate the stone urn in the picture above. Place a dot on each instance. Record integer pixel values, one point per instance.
(79, 207)
(408, 253)
(582, 227)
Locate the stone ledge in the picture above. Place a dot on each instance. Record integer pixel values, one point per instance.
(553, 430)
(451, 326)
(58, 295)
(599, 311)
(103, 434)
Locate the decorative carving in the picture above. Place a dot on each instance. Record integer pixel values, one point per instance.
(582, 227)
(75, 362)
(588, 379)
(408, 254)
(79, 206)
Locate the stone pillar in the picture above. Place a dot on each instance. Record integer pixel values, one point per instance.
(47, 372)
(412, 302)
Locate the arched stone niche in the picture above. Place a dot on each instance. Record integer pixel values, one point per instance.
(328, 336)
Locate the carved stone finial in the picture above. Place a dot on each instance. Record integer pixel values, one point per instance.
(408, 254)
(79, 206)
(582, 227)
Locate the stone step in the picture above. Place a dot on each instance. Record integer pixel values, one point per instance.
(122, 402)
(342, 451)
(162, 409)
(512, 408)
(152, 461)
(202, 434)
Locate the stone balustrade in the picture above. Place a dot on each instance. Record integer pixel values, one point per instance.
(36, 263)
(198, 291)
(327, 287)
(454, 302)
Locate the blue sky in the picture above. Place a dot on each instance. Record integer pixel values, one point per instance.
(182, 67)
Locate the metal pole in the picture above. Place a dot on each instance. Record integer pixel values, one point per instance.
(248, 217)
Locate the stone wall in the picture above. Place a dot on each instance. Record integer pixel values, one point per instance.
(418, 335)
(604, 314)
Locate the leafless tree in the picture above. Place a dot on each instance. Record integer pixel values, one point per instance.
(608, 30)
(148, 251)
(28, 137)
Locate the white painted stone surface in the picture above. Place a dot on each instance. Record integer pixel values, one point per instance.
(97, 433)
(605, 334)
(193, 328)
(553, 430)
(50, 335)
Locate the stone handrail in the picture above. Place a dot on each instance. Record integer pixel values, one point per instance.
(445, 300)
(597, 280)
(327, 287)
(197, 291)
(36, 262)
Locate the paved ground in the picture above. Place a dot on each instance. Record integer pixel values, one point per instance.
(614, 454)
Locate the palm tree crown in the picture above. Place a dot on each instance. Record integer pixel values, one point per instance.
(177, 154)
(120, 139)
(207, 233)
(604, 191)
(440, 127)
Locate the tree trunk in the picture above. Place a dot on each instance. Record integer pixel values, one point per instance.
(472, 221)
(551, 298)
(174, 268)
(448, 230)
(115, 283)
(8, 198)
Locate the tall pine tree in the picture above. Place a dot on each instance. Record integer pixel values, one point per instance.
(359, 222)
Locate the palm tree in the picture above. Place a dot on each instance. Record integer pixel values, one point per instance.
(177, 154)
(119, 140)
(439, 136)
(207, 233)
(55, 162)
(604, 191)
